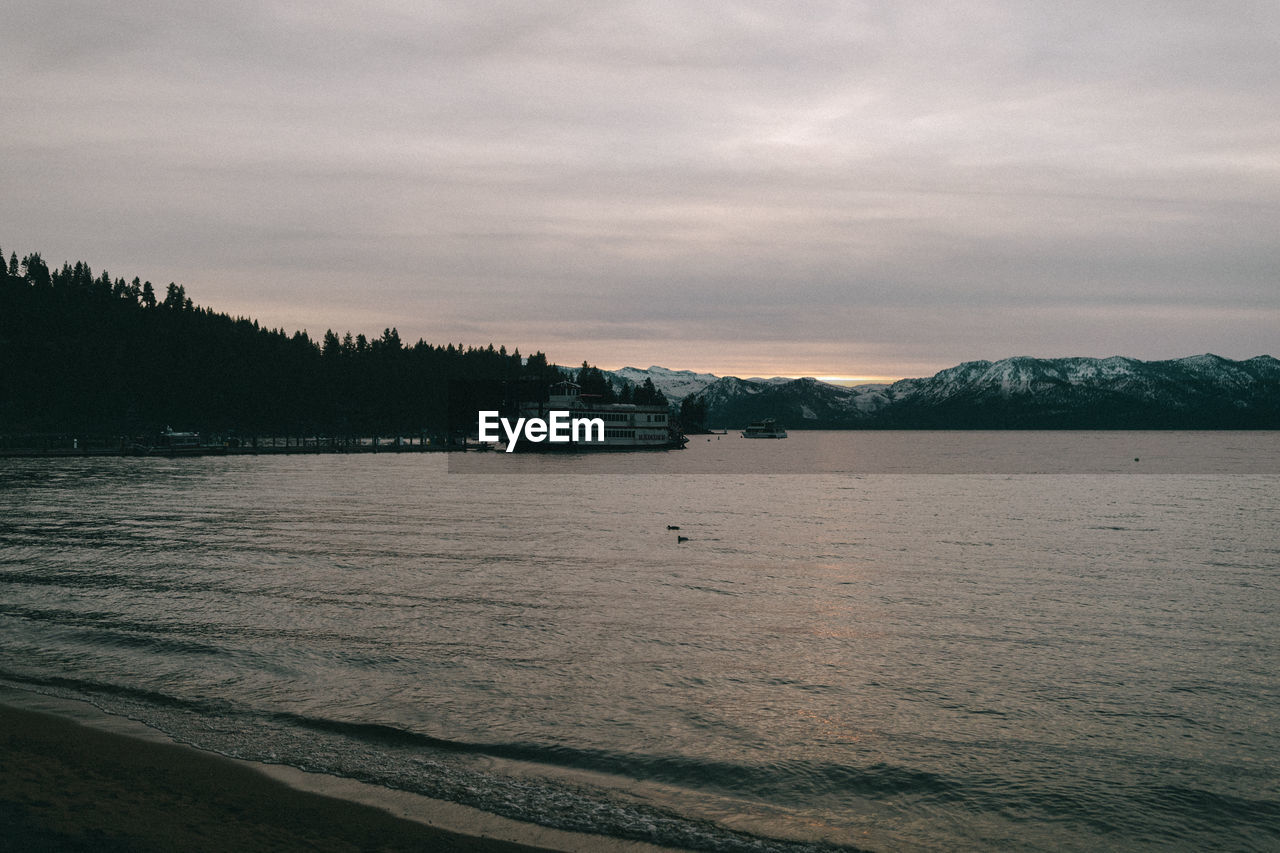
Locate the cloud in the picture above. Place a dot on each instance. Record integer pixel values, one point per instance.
(734, 181)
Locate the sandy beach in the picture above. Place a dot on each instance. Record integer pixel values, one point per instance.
(66, 786)
(79, 780)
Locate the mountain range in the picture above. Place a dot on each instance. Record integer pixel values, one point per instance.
(1199, 392)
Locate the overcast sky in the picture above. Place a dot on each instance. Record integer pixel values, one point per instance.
(794, 188)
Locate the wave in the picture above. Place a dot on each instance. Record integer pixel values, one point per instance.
(801, 779)
(1168, 811)
(89, 689)
(341, 749)
(104, 629)
(1154, 813)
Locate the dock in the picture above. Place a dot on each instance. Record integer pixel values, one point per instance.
(73, 447)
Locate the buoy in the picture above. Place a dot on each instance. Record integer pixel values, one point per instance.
(1135, 459)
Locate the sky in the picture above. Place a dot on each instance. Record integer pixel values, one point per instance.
(859, 190)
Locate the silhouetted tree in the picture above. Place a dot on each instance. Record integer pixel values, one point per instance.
(86, 353)
(37, 270)
(175, 297)
(332, 347)
(693, 412)
(595, 383)
(647, 394)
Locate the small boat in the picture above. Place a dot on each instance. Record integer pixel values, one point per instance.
(766, 428)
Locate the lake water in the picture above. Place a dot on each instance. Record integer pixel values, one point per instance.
(841, 653)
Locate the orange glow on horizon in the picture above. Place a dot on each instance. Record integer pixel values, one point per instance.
(838, 364)
(859, 380)
(849, 380)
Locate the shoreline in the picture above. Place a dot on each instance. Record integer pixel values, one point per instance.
(73, 777)
(192, 452)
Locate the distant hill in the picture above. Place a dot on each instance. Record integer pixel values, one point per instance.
(675, 385)
(1199, 392)
(97, 354)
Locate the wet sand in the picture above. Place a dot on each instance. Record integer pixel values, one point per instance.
(70, 786)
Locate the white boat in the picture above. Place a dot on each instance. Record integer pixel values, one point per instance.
(766, 428)
(627, 426)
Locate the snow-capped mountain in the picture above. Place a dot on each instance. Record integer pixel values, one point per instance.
(772, 380)
(1204, 391)
(804, 403)
(1200, 391)
(675, 385)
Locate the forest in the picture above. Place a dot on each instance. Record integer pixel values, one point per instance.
(94, 354)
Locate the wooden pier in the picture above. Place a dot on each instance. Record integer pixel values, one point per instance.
(71, 447)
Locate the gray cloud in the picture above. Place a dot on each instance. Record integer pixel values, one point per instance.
(827, 188)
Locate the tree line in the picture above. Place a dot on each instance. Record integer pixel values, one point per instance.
(593, 383)
(97, 354)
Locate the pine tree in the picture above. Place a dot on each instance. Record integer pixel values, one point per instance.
(693, 412)
(37, 270)
(646, 394)
(595, 383)
(332, 347)
(175, 297)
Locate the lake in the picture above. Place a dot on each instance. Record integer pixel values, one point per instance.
(885, 641)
